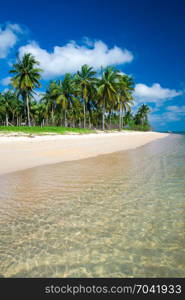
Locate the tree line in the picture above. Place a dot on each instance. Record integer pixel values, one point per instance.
(84, 99)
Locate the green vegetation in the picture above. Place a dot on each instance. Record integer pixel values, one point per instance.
(81, 100)
(44, 130)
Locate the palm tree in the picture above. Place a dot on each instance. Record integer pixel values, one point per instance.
(2, 109)
(143, 113)
(10, 108)
(15, 106)
(6, 102)
(26, 79)
(63, 92)
(125, 99)
(72, 100)
(49, 101)
(85, 81)
(107, 90)
(128, 118)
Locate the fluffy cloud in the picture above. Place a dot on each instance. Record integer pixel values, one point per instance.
(176, 109)
(38, 95)
(154, 94)
(8, 38)
(70, 57)
(172, 114)
(5, 81)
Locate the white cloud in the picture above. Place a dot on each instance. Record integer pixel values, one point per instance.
(8, 38)
(154, 94)
(38, 95)
(156, 119)
(70, 57)
(176, 109)
(15, 28)
(122, 73)
(162, 119)
(172, 114)
(87, 41)
(5, 81)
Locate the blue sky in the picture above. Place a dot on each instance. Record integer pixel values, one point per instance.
(142, 38)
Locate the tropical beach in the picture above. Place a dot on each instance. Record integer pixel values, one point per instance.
(112, 215)
(92, 143)
(23, 152)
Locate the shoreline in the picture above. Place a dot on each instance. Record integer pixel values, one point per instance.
(22, 152)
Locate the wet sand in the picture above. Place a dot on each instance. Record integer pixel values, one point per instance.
(20, 153)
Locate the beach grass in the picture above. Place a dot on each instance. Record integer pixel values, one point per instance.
(44, 130)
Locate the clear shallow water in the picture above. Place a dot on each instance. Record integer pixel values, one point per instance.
(116, 215)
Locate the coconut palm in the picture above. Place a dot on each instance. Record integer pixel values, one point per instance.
(85, 81)
(128, 118)
(125, 98)
(48, 100)
(15, 108)
(73, 100)
(107, 90)
(3, 110)
(26, 79)
(6, 102)
(63, 93)
(143, 114)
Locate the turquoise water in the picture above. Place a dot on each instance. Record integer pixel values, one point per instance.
(115, 215)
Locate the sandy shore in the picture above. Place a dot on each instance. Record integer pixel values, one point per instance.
(19, 153)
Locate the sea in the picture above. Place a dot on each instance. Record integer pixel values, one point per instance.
(114, 215)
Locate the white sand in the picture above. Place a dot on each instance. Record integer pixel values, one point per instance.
(20, 152)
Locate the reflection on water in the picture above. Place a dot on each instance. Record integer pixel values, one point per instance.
(116, 215)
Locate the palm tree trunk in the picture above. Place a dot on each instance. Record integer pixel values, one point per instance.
(89, 121)
(122, 120)
(120, 117)
(28, 111)
(7, 119)
(110, 120)
(84, 115)
(52, 116)
(103, 116)
(65, 118)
